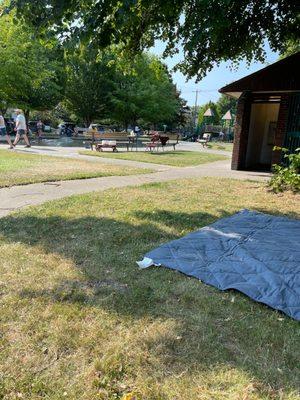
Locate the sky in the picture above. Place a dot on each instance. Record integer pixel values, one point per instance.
(218, 77)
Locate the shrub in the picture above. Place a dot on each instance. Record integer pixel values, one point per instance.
(287, 177)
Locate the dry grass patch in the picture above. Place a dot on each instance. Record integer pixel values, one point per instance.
(19, 168)
(80, 321)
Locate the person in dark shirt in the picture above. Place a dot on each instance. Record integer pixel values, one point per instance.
(4, 132)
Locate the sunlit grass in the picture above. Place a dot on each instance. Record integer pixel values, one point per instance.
(220, 146)
(19, 168)
(174, 158)
(80, 321)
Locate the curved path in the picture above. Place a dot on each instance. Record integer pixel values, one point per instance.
(17, 197)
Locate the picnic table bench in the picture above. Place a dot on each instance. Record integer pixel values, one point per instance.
(115, 140)
(158, 141)
(205, 139)
(106, 140)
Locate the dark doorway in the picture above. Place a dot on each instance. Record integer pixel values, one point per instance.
(262, 129)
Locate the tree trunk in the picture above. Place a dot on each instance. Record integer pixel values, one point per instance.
(87, 122)
(26, 115)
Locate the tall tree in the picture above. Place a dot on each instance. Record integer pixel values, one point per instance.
(144, 92)
(89, 83)
(224, 104)
(210, 31)
(31, 71)
(181, 118)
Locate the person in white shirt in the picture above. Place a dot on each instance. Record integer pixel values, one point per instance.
(21, 129)
(3, 131)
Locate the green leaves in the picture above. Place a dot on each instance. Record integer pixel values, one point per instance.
(89, 83)
(224, 104)
(286, 177)
(144, 92)
(209, 31)
(31, 72)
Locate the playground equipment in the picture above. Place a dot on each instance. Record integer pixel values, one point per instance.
(223, 131)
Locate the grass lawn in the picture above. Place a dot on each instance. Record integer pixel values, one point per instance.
(173, 158)
(220, 146)
(80, 321)
(21, 168)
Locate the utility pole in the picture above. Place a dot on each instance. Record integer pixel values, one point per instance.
(195, 113)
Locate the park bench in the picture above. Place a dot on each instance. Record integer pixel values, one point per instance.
(107, 140)
(115, 140)
(205, 139)
(162, 141)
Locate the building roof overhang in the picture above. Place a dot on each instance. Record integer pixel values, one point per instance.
(280, 77)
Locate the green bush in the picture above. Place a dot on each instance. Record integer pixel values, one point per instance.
(287, 177)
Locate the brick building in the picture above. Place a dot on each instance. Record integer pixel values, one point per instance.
(268, 114)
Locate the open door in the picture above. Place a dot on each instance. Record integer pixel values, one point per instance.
(262, 129)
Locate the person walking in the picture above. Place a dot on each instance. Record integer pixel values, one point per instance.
(39, 129)
(4, 132)
(21, 129)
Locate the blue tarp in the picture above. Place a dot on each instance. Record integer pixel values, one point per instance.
(255, 253)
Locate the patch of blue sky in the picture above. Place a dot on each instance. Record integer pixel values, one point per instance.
(218, 77)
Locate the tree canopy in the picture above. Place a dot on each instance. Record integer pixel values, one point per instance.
(213, 119)
(224, 104)
(31, 72)
(291, 47)
(107, 85)
(144, 92)
(209, 31)
(89, 83)
(37, 74)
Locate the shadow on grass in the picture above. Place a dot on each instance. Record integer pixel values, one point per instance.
(179, 220)
(191, 222)
(213, 329)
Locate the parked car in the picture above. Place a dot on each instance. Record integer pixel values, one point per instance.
(67, 128)
(100, 128)
(80, 130)
(47, 128)
(32, 126)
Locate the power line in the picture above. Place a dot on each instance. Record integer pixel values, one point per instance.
(203, 91)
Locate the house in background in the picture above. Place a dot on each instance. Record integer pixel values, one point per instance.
(268, 114)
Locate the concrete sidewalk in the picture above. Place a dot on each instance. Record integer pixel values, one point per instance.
(65, 151)
(73, 152)
(17, 197)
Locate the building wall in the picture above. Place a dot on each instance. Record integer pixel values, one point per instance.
(241, 130)
(242, 127)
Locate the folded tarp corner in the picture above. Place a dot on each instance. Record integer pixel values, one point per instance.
(255, 253)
